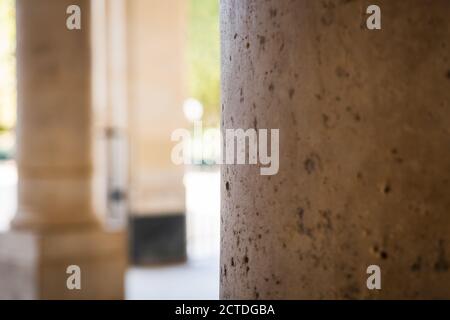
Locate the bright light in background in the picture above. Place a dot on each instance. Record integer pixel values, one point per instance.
(8, 172)
(193, 109)
(7, 66)
(8, 193)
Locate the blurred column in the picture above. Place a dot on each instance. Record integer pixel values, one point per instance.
(156, 33)
(110, 118)
(55, 225)
(364, 163)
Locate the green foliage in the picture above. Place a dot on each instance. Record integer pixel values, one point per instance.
(7, 65)
(204, 56)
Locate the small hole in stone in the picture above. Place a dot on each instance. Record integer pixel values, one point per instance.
(227, 186)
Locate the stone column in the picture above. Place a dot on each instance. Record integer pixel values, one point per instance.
(55, 225)
(109, 47)
(156, 33)
(364, 173)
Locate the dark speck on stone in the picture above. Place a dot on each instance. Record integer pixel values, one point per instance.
(441, 265)
(416, 265)
(310, 165)
(262, 40)
(341, 73)
(291, 92)
(301, 226)
(273, 13)
(325, 119)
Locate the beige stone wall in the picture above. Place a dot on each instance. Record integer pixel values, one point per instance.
(364, 164)
(110, 107)
(156, 35)
(54, 131)
(56, 225)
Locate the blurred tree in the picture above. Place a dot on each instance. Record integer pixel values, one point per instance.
(204, 57)
(7, 65)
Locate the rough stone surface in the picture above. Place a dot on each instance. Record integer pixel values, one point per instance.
(156, 91)
(54, 131)
(55, 225)
(34, 265)
(364, 177)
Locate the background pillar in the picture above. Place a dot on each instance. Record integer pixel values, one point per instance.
(55, 225)
(156, 33)
(54, 157)
(364, 164)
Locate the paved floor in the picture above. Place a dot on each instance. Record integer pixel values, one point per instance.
(196, 279)
(199, 278)
(8, 196)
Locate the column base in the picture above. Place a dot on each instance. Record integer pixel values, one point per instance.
(157, 239)
(33, 265)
